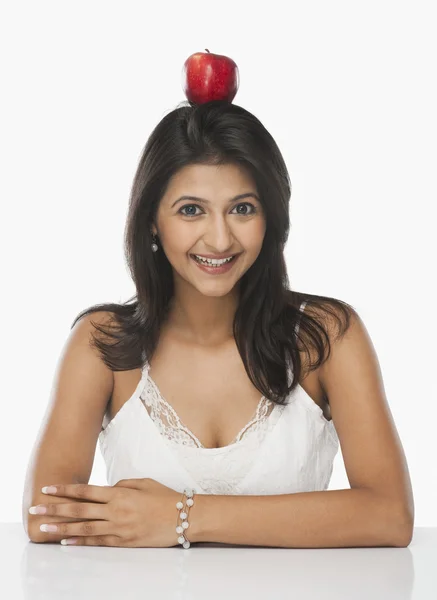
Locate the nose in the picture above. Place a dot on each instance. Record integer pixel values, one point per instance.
(218, 236)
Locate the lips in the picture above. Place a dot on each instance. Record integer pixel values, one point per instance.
(216, 270)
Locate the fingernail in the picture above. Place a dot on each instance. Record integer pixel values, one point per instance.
(37, 510)
(68, 542)
(49, 528)
(49, 489)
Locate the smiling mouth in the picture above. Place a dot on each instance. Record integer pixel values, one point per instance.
(209, 264)
(216, 269)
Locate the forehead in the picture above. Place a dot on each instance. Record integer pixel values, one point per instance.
(211, 180)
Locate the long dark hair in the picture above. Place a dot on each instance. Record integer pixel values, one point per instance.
(217, 133)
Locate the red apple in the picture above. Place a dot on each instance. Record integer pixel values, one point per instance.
(207, 76)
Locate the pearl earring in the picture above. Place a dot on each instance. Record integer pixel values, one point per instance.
(154, 245)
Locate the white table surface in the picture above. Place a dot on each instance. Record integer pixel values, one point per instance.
(216, 571)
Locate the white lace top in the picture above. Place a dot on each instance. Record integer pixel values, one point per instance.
(282, 449)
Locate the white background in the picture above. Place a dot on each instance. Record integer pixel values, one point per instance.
(347, 89)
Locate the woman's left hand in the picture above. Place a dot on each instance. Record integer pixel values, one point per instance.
(134, 513)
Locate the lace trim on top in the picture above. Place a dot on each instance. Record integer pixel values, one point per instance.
(175, 432)
(173, 429)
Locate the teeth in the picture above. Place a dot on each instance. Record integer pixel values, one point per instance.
(213, 261)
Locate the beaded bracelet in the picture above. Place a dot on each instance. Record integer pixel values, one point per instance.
(184, 516)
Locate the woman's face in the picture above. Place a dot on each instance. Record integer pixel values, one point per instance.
(219, 224)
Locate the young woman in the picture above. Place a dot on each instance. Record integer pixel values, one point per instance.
(216, 376)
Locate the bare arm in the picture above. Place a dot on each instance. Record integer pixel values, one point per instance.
(327, 519)
(66, 442)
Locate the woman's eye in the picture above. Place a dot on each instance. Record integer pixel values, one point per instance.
(197, 206)
(188, 206)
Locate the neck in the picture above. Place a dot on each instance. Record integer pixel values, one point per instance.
(203, 320)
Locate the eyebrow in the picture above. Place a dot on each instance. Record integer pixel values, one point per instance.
(205, 201)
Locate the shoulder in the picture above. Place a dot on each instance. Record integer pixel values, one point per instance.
(351, 354)
(94, 321)
(327, 321)
(332, 315)
(92, 330)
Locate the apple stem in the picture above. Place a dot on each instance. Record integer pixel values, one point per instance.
(207, 50)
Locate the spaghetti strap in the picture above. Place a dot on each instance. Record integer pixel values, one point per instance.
(301, 308)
